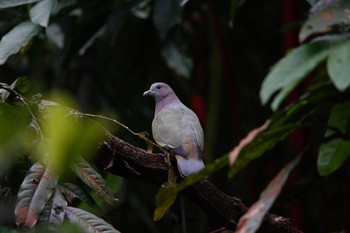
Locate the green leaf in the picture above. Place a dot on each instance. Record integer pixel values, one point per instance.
(17, 38)
(87, 221)
(251, 221)
(12, 3)
(321, 21)
(93, 179)
(334, 153)
(166, 14)
(13, 122)
(177, 59)
(166, 196)
(282, 124)
(40, 13)
(338, 66)
(69, 136)
(21, 84)
(290, 70)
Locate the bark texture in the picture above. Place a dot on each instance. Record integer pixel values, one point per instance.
(120, 158)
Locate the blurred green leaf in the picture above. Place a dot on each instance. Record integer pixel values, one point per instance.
(338, 66)
(166, 14)
(40, 12)
(290, 70)
(17, 38)
(334, 153)
(93, 179)
(322, 21)
(251, 221)
(13, 121)
(12, 3)
(88, 222)
(69, 134)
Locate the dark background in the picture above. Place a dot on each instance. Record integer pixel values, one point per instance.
(228, 66)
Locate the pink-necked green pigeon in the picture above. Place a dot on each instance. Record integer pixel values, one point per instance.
(176, 128)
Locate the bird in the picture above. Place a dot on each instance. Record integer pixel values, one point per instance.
(177, 129)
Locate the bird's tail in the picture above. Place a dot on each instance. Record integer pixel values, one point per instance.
(188, 166)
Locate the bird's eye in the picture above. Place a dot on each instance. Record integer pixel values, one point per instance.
(158, 87)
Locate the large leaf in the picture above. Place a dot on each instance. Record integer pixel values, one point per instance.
(69, 137)
(251, 221)
(334, 153)
(93, 179)
(87, 221)
(166, 196)
(177, 59)
(59, 206)
(41, 196)
(40, 13)
(322, 21)
(17, 38)
(12, 3)
(290, 70)
(282, 124)
(166, 14)
(338, 66)
(26, 192)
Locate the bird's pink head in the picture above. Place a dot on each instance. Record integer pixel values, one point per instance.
(162, 94)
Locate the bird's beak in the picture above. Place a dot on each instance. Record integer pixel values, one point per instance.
(149, 92)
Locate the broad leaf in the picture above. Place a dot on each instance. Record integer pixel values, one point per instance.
(323, 20)
(338, 66)
(17, 38)
(93, 179)
(21, 84)
(166, 14)
(334, 153)
(245, 141)
(41, 196)
(166, 196)
(251, 221)
(12, 3)
(290, 70)
(26, 192)
(177, 59)
(40, 13)
(55, 34)
(282, 124)
(87, 221)
(59, 206)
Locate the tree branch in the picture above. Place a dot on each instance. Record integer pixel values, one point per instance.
(120, 158)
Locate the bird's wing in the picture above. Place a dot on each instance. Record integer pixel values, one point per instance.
(166, 127)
